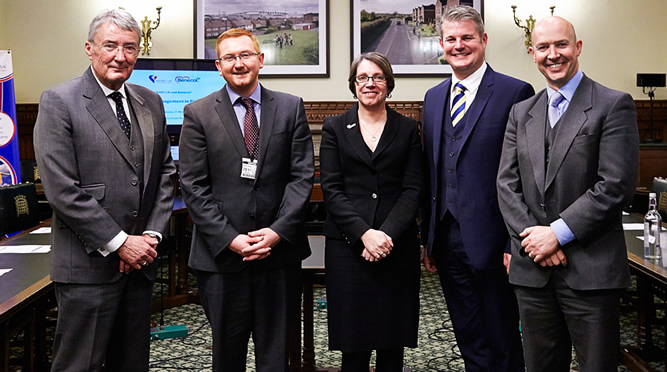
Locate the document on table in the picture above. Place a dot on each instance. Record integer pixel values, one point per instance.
(25, 249)
(635, 226)
(4, 271)
(42, 230)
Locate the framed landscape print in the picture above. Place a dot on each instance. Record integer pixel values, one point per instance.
(293, 34)
(406, 31)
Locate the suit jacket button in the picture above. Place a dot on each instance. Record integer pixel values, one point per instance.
(451, 154)
(135, 213)
(134, 182)
(374, 196)
(131, 148)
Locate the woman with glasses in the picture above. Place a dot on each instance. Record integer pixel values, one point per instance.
(371, 176)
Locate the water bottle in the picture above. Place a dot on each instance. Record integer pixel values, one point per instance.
(652, 226)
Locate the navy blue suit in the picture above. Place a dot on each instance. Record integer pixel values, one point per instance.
(462, 226)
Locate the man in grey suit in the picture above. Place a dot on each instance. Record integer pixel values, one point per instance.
(106, 170)
(568, 167)
(246, 160)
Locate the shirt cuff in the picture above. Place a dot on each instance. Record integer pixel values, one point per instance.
(562, 231)
(154, 234)
(113, 244)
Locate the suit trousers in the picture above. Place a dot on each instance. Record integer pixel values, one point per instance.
(555, 316)
(103, 327)
(481, 305)
(257, 301)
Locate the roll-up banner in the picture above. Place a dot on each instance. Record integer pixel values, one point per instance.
(10, 164)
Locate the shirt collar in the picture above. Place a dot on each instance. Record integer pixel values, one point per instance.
(105, 89)
(256, 95)
(567, 90)
(472, 81)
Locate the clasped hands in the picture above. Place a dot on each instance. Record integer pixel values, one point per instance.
(541, 244)
(377, 245)
(137, 251)
(256, 245)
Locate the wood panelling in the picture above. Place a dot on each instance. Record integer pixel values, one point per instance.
(653, 157)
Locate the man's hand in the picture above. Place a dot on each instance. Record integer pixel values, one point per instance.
(558, 258)
(243, 246)
(507, 257)
(429, 264)
(540, 242)
(135, 252)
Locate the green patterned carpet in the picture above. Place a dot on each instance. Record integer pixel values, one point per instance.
(437, 350)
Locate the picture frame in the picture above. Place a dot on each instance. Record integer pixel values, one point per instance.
(406, 31)
(293, 34)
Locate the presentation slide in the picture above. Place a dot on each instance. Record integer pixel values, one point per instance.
(178, 88)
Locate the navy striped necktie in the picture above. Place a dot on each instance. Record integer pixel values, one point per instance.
(459, 104)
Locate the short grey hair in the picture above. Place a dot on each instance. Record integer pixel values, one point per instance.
(120, 17)
(462, 13)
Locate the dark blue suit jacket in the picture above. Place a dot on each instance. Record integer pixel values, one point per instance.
(482, 228)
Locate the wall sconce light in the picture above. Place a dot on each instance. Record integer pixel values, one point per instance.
(530, 23)
(146, 30)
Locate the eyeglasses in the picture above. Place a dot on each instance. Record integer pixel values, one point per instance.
(128, 50)
(231, 58)
(363, 79)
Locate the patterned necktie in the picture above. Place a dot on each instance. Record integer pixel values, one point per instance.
(459, 104)
(554, 112)
(120, 113)
(250, 128)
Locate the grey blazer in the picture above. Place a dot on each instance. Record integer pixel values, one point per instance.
(590, 178)
(224, 205)
(92, 177)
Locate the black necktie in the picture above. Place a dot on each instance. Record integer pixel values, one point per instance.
(120, 113)
(250, 128)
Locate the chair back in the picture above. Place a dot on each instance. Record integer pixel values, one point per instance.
(19, 209)
(660, 189)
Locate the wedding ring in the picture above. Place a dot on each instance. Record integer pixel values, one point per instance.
(144, 263)
(382, 254)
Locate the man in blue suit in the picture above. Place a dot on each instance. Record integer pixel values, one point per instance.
(463, 127)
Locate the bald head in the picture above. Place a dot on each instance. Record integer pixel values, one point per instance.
(555, 49)
(551, 22)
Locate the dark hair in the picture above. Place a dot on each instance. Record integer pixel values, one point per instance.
(381, 61)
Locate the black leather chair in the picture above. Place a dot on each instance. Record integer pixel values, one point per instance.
(19, 209)
(660, 188)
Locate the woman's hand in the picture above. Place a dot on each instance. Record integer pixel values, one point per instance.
(377, 245)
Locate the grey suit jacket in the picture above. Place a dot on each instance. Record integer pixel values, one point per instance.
(590, 177)
(224, 205)
(90, 176)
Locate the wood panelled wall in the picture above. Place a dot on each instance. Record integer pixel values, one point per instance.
(653, 157)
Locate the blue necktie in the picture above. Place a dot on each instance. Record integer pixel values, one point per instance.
(554, 113)
(459, 104)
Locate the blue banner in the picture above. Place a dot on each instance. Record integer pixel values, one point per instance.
(10, 163)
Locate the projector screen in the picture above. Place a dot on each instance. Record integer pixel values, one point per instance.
(178, 82)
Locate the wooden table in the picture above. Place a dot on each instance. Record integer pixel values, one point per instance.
(24, 293)
(651, 279)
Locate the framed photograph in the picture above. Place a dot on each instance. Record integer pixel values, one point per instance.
(406, 31)
(293, 34)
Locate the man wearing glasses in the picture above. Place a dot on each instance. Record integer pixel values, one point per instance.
(103, 155)
(246, 168)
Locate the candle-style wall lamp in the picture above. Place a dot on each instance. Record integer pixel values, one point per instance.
(146, 30)
(530, 24)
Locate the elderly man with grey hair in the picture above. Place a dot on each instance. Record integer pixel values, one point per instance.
(103, 154)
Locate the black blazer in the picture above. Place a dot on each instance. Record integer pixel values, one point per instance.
(364, 189)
